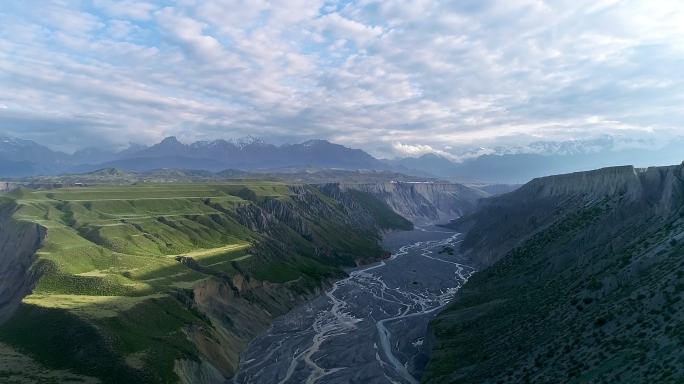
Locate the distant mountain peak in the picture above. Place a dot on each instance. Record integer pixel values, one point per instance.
(313, 142)
(249, 141)
(170, 146)
(170, 140)
(38, 158)
(250, 153)
(433, 156)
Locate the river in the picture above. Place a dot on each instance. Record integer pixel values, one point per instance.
(369, 327)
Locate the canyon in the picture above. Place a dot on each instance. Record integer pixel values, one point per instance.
(369, 327)
(170, 282)
(579, 279)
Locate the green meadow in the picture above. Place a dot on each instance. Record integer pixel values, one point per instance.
(109, 303)
(123, 240)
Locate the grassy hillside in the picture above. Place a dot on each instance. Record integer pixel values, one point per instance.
(590, 291)
(125, 273)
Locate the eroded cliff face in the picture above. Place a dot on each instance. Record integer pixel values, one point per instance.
(18, 245)
(241, 307)
(424, 202)
(236, 311)
(6, 187)
(653, 184)
(501, 222)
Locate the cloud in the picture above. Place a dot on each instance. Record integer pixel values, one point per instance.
(189, 34)
(347, 29)
(393, 77)
(54, 15)
(136, 10)
(409, 150)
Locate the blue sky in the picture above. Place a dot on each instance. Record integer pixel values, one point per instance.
(393, 77)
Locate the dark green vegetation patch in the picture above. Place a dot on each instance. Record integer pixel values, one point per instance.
(591, 290)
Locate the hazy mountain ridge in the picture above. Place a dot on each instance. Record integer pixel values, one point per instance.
(253, 154)
(515, 165)
(512, 165)
(582, 282)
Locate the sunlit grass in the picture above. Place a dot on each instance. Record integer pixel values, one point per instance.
(89, 306)
(120, 265)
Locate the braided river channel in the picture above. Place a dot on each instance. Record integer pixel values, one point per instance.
(369, 327)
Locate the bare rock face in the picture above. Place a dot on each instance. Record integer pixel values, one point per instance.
(18, 245)
(6, 187)
(423, 202)
(253, 218)
(662, 186)
(598, 183)
(654, 184)
(197, 372)
(499, 223)
(237, 310)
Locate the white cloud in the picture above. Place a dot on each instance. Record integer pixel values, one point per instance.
(67, 20)
(189, 34)
(137, 10)
(419, 150)
(392, 76)
(347, 29)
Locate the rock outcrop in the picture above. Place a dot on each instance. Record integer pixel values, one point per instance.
(502, 222)
(18, 245)
(6, 186)
(237, 310)
(654, 184)
(424, 202)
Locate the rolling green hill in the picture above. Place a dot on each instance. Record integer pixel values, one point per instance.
(166, 282)
(582, 282)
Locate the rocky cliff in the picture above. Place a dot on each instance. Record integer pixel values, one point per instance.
(7, 186)
(502, 222)
(238, 310)
(18, 245)
(423, 202)
(654, 184)
(582, 281)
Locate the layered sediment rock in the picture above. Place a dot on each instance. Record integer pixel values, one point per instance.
(502, 222)
(424, 202)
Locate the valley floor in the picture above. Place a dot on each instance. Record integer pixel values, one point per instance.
(369, 327)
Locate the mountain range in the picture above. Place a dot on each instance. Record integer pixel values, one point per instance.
(20, 158)
(26, 158)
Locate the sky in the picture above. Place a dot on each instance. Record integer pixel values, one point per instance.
(396, 78)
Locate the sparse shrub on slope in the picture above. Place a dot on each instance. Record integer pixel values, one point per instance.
(591, 292)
